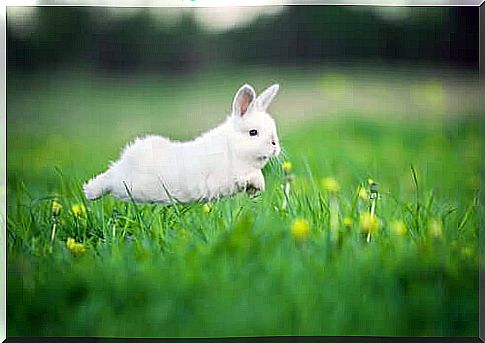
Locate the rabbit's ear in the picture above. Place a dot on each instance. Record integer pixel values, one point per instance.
(265, 98)
(243, 100)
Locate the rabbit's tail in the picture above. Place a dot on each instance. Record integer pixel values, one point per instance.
(97, 186)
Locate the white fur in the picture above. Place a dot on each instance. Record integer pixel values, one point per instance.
(220, 162)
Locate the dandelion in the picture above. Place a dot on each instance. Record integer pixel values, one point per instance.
(74, 246)
(300, 229)
(373, 189)
(348, 222)
(56, 211)
(56, 208)
(398, 228)
(369, 224)
(288, 178)
(435, 228)
(330, 185)
(78, 210)
(206, 208)
(53, 231)
(287, 166)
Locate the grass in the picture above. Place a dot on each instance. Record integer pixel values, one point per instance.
(232, 267)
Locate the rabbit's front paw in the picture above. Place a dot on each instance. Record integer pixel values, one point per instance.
(256, 182)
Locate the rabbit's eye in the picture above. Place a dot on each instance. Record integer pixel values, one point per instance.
(253, 132)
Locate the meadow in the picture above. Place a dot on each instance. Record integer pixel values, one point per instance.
(306, 257)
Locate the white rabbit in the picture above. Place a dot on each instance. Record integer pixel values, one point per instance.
(220, 162)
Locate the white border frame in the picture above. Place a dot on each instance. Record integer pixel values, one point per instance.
(229, 3)
(155, 3)
(3, 176)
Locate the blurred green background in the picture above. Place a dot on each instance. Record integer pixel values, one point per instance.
(81, 76)
(366, 92)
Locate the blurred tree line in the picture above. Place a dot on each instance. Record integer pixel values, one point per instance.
(298, 35)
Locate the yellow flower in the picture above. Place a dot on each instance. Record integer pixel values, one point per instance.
(330, 185)
(369, 223)
(78, 210)
(300, 229)
(435, 228)
(70, 242)
(348, 222)
(56, 208)
(206, 208)
(363, 194)
(75, 247)
(398, 228)
(370, 181)
(287, 166)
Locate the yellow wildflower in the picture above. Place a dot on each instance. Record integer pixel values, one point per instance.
(398, 228)
(363, 194)
(330, 185)
(435, 228)
(287, 166)
(206, 208)
(348, 222)
(75, 247)
(78, 210)
(370, 181)
(300, 229)
(369, 223)
(56, 208)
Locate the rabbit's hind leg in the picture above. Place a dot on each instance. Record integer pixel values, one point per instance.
(97, 186)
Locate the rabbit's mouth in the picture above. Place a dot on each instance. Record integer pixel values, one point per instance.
(264, 158)
(276, 151)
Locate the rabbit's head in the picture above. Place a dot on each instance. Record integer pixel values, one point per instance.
(254, 138)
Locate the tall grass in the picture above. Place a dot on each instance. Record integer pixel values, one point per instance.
(234, 266)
